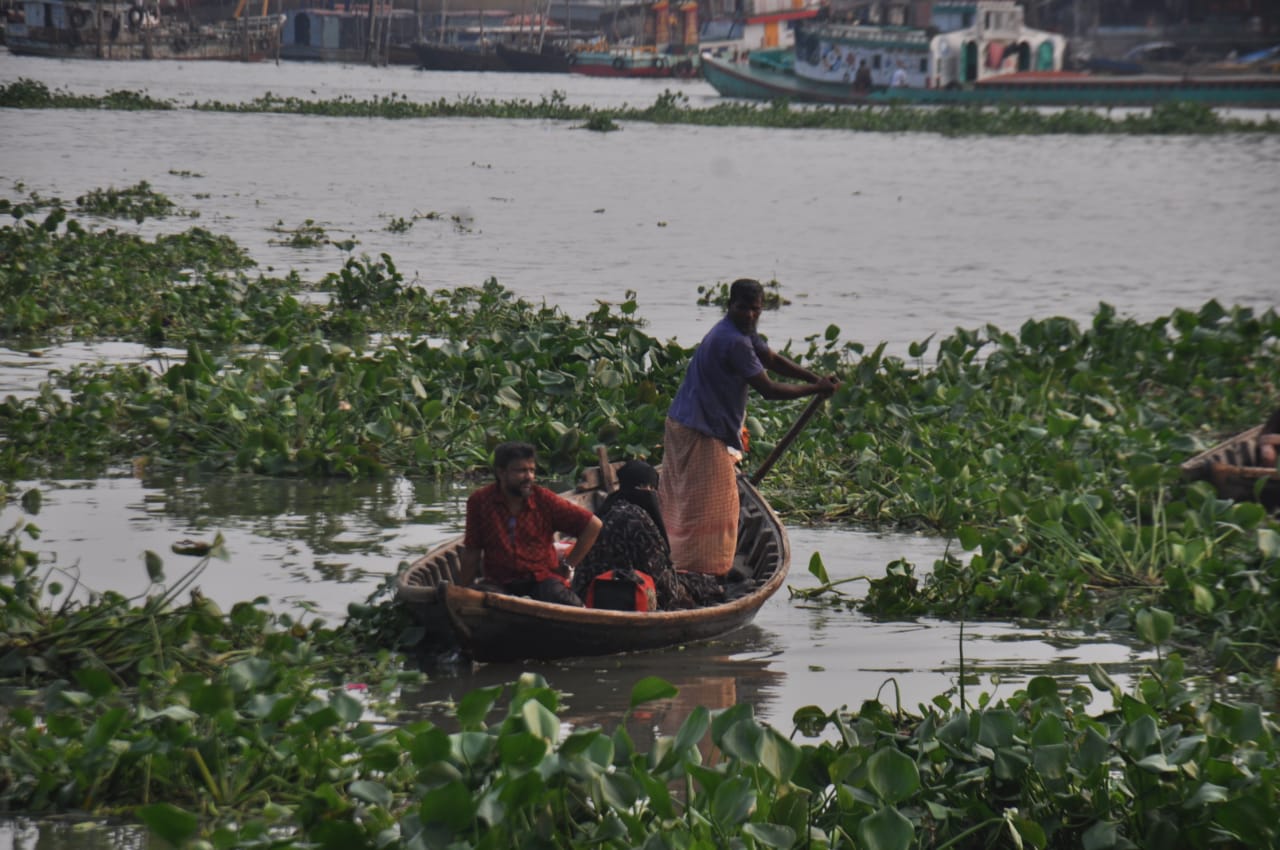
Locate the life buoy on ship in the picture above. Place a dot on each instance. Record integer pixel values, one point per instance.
(619, 62)
(135, 17)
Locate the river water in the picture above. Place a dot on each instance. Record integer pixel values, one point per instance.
(892, 237)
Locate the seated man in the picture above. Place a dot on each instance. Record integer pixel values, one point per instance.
(511, 528)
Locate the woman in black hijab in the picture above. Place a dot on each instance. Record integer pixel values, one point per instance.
(634, 537)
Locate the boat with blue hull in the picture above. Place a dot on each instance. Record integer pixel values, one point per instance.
(770, 75)
(996, 61)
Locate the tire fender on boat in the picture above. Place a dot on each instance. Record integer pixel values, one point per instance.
(659, 62)
(135, 17)
(79, 17)
(619, 62)
(572, 59)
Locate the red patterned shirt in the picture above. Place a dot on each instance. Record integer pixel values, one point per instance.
(520, 547)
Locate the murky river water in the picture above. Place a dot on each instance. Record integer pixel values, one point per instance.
(891, 237)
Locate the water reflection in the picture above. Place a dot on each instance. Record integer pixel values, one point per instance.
(24, 834)
(328, 543)
(596, 691)
(323, 543)
(22, 371)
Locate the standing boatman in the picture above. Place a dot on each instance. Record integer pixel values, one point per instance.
(702, 440)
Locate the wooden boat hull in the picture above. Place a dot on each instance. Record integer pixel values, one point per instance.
(1232, 468)
(760, 81)
(497, 627)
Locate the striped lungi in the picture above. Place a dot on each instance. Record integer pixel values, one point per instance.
(698, 494)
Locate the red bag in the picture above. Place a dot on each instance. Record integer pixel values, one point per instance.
(619, 593)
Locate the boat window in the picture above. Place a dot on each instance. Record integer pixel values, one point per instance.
(1044, 57)
(302, 29)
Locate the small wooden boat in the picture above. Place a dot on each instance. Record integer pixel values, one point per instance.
(497, 627)
(1233, 468)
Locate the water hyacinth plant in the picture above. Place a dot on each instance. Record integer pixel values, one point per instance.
(137, 202)
(673, 108)
(242, 730)
(1047, 456)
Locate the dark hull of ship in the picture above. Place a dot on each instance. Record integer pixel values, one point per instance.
(549, 60)
(438, 57)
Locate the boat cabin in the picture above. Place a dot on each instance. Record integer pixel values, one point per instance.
(832, 53)
(343, 34)
(995, 41)
(740, 26)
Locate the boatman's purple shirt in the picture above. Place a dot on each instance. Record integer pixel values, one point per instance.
(712, 399)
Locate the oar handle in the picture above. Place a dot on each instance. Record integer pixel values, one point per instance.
(608, 477)
(787, 440)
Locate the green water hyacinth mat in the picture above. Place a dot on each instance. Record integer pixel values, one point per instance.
(673, 108)
(237, 730)
(1047, 455)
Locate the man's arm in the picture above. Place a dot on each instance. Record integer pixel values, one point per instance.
(788, 368)
(470, 566)
(585, 540)
(777, 390)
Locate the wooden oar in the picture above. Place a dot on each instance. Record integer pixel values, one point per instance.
(787, 439)
(608, 475)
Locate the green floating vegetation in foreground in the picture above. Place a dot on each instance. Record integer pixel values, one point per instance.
(673, 108)
(255, 730)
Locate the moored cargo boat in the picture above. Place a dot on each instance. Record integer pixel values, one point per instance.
(118, 30)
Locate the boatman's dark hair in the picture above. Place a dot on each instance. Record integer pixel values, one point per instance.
(745, 288)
